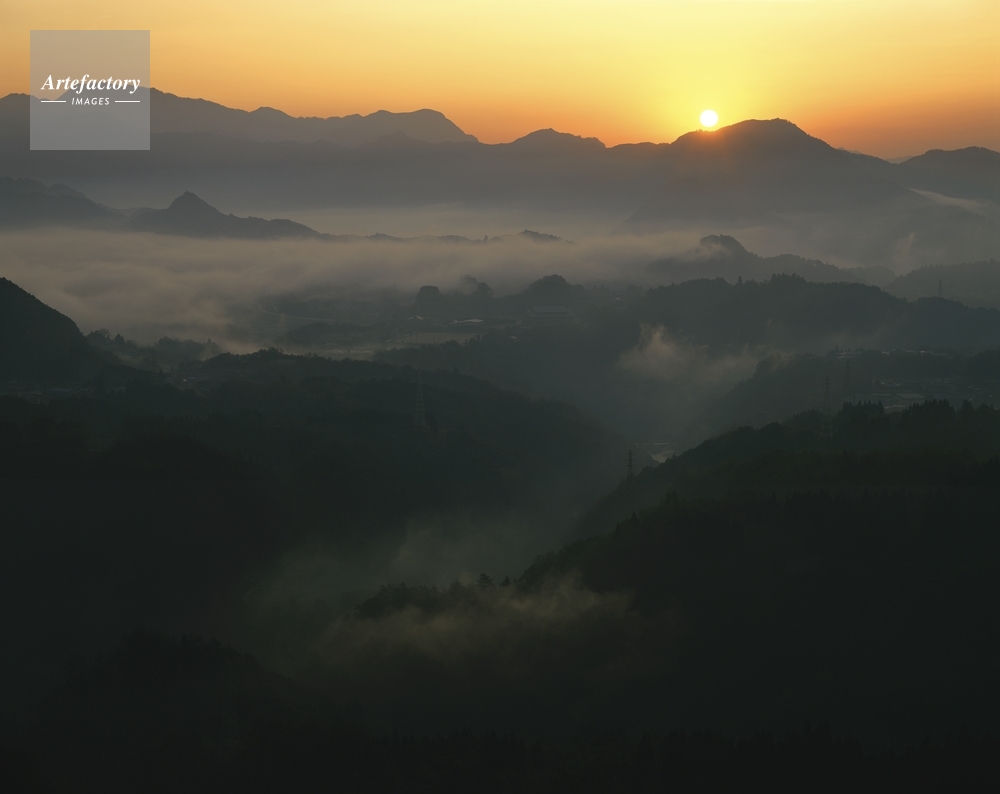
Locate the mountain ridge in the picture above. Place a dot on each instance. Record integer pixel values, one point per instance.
(191, 216)
(723, 255)
(40, 344)
(172, 113)
(766, 172)
(14, 107)
(27, 203)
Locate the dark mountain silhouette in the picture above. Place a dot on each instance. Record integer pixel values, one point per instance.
(182, 715)
(972, 173)
(638, 362)
(784, 385)
(39, 344)
(190, 216)
(790, 313)
(755, 167)
(15, 122)
(762, 171)
(171, 113)
(972, 283)
(550, 141)
(551, 290)
(721, 255)
(771, 160)
(26, 203)
(541, 237)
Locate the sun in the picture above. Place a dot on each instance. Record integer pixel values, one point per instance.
(709, 118)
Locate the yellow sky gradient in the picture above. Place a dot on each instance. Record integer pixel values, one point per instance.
(888, 77)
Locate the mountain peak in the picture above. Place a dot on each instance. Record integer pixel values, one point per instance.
(191, 205)
(170, 113)
(540, 237)
(36, 341)
(754, 134)
(192, 216)
(552, 139)
(715, 244)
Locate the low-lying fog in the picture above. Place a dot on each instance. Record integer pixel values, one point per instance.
(444, 219)
(145, 286)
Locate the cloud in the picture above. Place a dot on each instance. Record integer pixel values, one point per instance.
(145, 286)
(432, 548)
(502, 623)
(478, 655)
(688, 369)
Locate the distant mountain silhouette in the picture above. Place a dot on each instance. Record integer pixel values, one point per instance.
(541, 237)
(972, 283)
(551, 141)
(14, 120)
(190, 216)
(765, 144)
(39, 344)
(971, 173)
(170, 113)
(761, 171)
(757, 167)
(722, 255)
(26, 203)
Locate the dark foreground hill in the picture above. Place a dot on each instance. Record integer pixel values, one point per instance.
(136, 502)
(718, 466)
(772, 584)
(838, 573)
(162, 715)
(40, 345)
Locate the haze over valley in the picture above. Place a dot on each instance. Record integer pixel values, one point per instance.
(539, 465)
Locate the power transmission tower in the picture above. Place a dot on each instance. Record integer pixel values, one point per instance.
(940, 288)
(827, 424)
(847, 382)
(630, 485)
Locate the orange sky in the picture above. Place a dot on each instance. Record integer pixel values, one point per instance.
(888, 77)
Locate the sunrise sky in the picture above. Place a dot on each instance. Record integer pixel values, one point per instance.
(888, 77)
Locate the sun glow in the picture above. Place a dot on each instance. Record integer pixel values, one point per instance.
(709, 118)
(898, 77)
